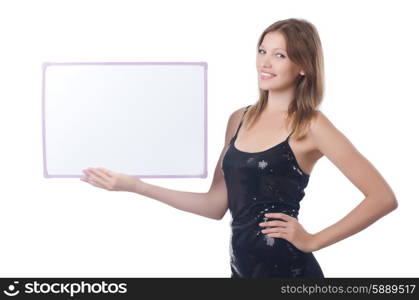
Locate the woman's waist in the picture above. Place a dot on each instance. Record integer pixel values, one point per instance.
(255, 213)
(247, 238)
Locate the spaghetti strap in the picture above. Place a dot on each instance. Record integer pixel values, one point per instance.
(241, 121)
(289, 135)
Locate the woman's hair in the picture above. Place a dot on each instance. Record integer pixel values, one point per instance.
(304, 48)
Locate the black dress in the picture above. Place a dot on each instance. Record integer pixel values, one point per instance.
(257, 183)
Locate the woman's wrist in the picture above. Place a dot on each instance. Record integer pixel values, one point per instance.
(139, 187)
(315, 245)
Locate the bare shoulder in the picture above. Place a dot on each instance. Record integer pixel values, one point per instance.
(320, 121)
(334, 145)
(325, 135)
(318, 125)
(238, 113)
(233, 122)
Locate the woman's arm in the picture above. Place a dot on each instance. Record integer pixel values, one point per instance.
(379, 197)
(212, 204)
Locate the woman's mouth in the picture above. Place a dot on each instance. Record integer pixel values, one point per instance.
(264, 75)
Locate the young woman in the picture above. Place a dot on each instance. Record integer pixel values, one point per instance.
(262, 181)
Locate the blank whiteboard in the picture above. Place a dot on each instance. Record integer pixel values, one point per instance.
(145, 119)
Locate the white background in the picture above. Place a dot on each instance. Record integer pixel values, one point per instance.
(65, 227)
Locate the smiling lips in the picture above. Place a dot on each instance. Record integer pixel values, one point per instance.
(266, 75)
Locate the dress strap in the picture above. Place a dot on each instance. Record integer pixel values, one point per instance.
(241, 121)
(289, 135)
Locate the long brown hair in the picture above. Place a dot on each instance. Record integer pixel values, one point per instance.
(305, 50)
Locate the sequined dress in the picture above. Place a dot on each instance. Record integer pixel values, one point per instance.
(257, 183)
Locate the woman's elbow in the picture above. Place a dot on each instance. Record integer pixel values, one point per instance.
(220, 215)
(392, 202)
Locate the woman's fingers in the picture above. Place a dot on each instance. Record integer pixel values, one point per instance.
(96, 178)
(274, 229)
(283, 235)
(106, 172)
(97, 183)
(109, 180)
(100, 175)
(274, 223)
(280, 216)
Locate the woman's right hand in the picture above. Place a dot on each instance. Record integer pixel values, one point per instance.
(112, 181)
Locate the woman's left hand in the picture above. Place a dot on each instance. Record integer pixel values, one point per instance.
(290, 229)
(111, 181)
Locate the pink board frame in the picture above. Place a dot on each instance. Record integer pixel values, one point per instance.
(202, 63)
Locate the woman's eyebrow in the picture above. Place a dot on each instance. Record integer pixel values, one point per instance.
(273, 48)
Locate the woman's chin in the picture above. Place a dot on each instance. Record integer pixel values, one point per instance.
(267, 87)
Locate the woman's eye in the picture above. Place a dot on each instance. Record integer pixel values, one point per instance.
(277, 53)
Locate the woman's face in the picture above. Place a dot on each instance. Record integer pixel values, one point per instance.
(272, 58)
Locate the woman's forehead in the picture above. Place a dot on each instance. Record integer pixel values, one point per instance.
(274, 40)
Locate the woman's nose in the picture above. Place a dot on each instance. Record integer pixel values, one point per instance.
(266, 62)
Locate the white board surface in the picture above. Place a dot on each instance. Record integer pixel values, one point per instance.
(145, 119)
